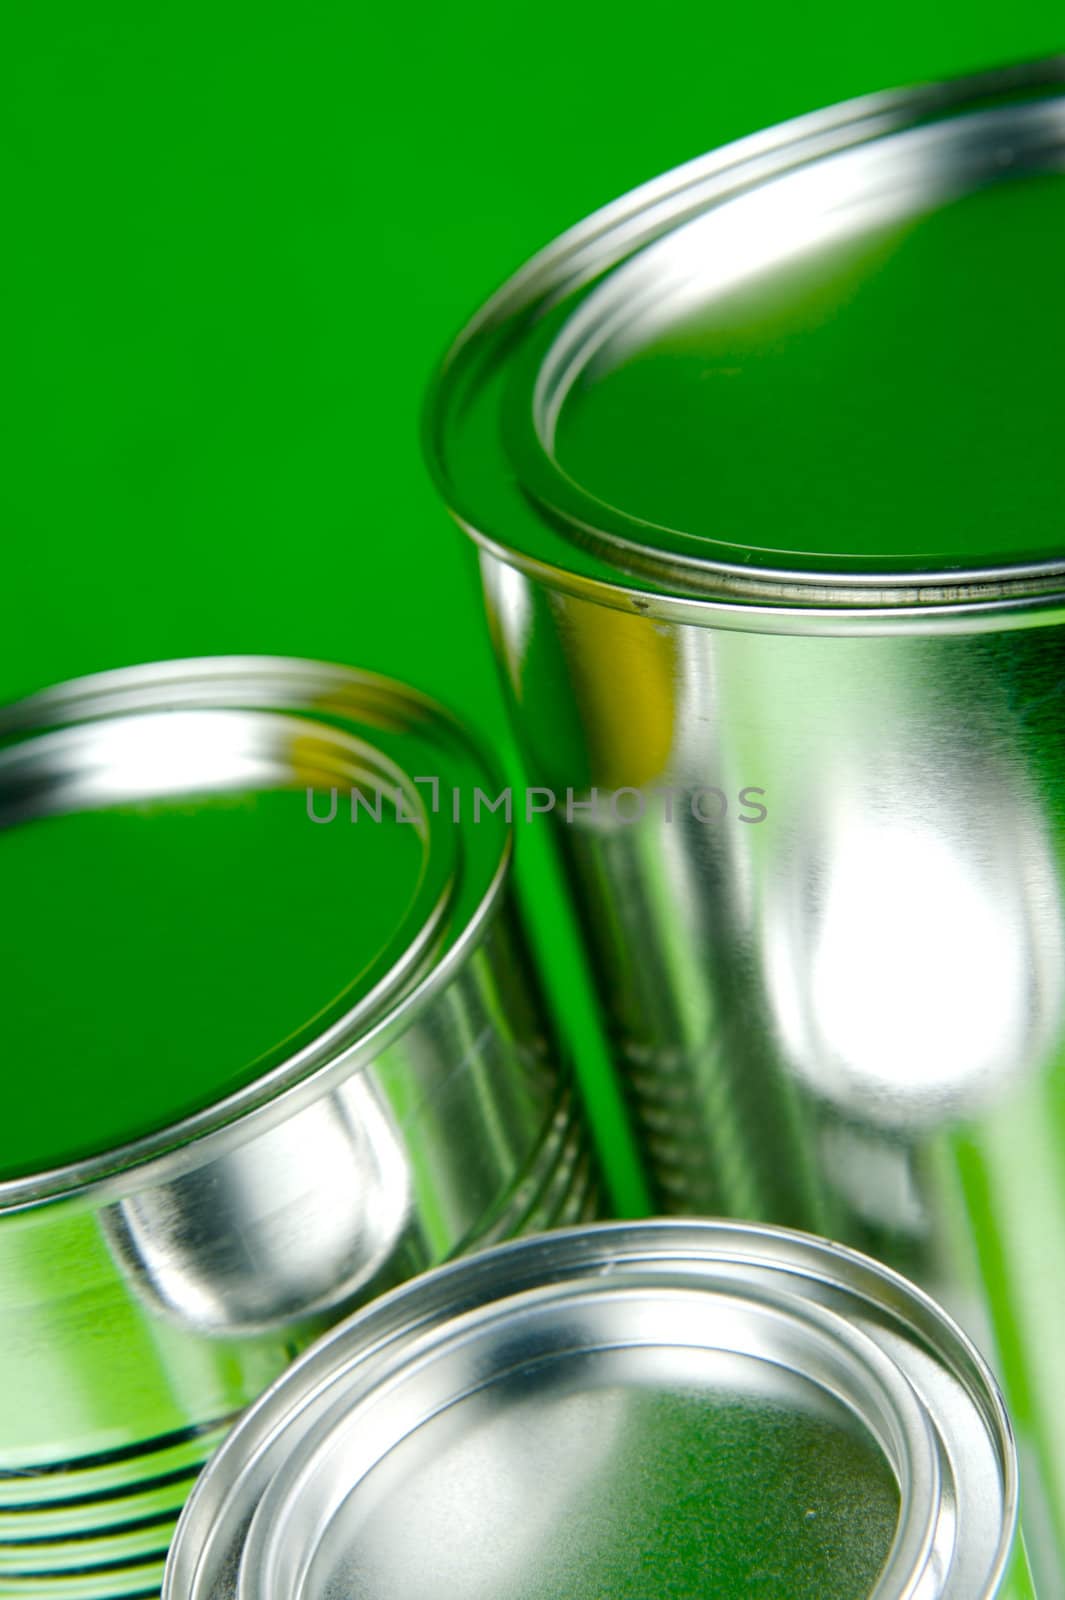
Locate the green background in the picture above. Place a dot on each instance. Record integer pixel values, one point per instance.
(238, 237)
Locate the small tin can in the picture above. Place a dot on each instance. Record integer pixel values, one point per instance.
(764, 466)
(266, 1061)
(656, 1408)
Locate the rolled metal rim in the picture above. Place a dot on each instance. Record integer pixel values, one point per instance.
(349, 1042)
(233, 1515)
(583, 547)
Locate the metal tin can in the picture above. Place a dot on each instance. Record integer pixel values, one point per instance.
(661, 1408)
(764, 465)
(323, 1058)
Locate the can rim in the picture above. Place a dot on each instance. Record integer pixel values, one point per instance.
(348, 1043)
(218, 1516)
(592, 551)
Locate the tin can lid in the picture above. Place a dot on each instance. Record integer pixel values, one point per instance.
(626, 1409)
(821, 366)
(188, 936)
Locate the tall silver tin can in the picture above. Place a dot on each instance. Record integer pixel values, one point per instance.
(764, 464)
(263, 1065)
(630, 1410)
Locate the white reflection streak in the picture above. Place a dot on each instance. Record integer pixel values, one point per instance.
(509, 593)
(171, 753)
(917, 978)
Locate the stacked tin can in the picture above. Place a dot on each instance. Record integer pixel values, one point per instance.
(764, 468)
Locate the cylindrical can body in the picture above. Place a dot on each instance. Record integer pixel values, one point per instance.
(804, 722)
(630, 1409)
(838, 1002)
(142, 1308)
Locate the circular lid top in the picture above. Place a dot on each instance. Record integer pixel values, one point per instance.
(197, 914)
(640, 1410)
(821, 366)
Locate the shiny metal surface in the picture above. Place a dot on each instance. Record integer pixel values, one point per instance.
(788, 200)
(148, 1293)
(847, 1013)
(633, 1409)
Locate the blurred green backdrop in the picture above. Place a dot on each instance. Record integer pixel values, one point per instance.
(237, 238)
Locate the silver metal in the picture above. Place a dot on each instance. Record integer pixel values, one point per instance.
(553, 1416)
(831, 950)
(148, 1293)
